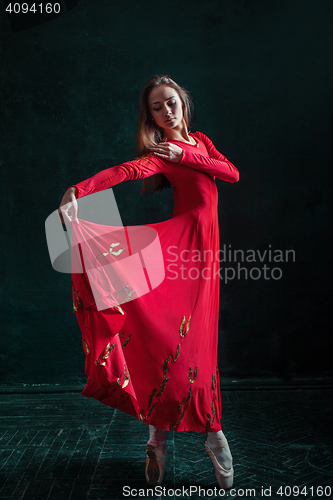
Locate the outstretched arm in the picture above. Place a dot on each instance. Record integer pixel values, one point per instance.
(128, 171)
(216, 164)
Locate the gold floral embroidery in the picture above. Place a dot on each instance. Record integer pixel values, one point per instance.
(79, 304)
(126, 382)
(122, 291)
(111, 252)
(142, 418)
(182, 326)
(109, 348)
(151, 409)
(128, 297)
(181, 416)
(181, 409)
(79, 301)
(126, 341)
(182, 404)
(100, 361)
(187, 326)
(177, 353)
(214, 383)
(126, 377)
(213, 408)
(165, 366)
(208, 423)
(163, 386)
(182, 332)
(150, 400)
(85, 347)
(190, 378)
(185, 400)
(119, 309)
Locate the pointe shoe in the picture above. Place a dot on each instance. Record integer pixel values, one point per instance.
(224, 477)
(155, 462)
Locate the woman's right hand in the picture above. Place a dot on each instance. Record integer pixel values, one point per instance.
(68, 206)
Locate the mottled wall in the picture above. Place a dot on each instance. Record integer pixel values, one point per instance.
(260, 74)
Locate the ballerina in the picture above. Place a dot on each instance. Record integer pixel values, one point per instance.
(162, 367)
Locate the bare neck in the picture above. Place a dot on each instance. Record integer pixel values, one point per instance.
(179, 133)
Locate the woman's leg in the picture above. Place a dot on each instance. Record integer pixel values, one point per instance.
(156, 434)
(155, 456)
(220, 447)
(218, 450)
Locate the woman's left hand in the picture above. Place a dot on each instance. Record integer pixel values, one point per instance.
(168, 151)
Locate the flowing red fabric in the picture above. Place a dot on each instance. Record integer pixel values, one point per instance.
(152, 353)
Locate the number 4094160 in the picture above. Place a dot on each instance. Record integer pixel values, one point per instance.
(295, 491)
(24, 8)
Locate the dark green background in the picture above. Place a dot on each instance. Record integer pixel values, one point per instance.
(260, 74)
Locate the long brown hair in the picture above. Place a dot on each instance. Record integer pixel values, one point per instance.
(149, 133)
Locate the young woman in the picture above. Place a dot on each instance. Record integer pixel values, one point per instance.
(155, 355)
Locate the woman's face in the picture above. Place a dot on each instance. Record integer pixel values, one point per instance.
(165, 107)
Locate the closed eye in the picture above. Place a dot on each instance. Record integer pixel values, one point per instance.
(171, 104)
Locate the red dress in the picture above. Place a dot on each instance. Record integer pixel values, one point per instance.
(154, 355)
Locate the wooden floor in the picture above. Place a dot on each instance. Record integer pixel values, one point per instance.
(65, 446)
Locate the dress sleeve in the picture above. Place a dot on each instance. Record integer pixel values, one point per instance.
(128, 171)
(216, 164)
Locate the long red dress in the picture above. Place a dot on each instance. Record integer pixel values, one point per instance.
(154, 355)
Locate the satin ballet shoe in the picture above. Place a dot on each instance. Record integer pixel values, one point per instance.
(224, 477)
(155, 462)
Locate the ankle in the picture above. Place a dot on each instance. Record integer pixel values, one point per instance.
(156, 434)
(217, 439)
